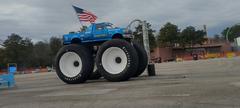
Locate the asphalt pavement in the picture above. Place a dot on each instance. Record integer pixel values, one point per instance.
(211, 83)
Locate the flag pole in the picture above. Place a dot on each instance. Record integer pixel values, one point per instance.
(90, 17)
(81, 25)
(78, 18)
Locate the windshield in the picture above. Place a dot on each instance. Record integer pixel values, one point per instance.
(110, 26)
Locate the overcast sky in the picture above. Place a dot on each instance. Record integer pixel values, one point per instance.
(41, 19)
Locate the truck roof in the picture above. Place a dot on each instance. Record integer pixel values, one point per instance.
(105, 23)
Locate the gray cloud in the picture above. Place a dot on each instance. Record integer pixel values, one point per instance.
(41, 19)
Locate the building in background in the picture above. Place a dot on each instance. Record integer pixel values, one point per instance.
(212, 48)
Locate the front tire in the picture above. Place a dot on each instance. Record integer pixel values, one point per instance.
(117, 60)
(74, 64)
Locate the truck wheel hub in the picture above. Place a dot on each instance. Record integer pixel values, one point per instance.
(114, 60)
(70, 64)
(76, 63)
(118, 60)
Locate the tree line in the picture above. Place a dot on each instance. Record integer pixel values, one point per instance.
(25, 53)
(171, 36)
(232, 32)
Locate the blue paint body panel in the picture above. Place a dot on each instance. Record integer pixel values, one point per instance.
(7, 80)
(96, 32)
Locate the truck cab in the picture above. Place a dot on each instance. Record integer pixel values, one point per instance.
(96, 32)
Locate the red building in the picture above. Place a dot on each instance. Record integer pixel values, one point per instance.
(210, 49)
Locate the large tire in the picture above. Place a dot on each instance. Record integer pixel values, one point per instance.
(74, 64)
(143, 59)
(117, 60)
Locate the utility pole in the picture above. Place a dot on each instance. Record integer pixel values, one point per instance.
(151, 66)
(146, 39)
(205, 30)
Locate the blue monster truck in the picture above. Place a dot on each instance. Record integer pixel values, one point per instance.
(101, 50)
(99, 32)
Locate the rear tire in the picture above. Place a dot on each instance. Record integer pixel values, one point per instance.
(143, 59)
(74, 64)
(117, 60)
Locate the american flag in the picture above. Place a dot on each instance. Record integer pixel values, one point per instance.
(84, 15)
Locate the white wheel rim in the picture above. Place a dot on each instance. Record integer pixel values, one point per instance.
(110, 62)
(70, 64)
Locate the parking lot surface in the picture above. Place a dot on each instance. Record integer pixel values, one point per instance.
(193, 84)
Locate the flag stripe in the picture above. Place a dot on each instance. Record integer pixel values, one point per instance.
(84, 18)
(84, 15)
